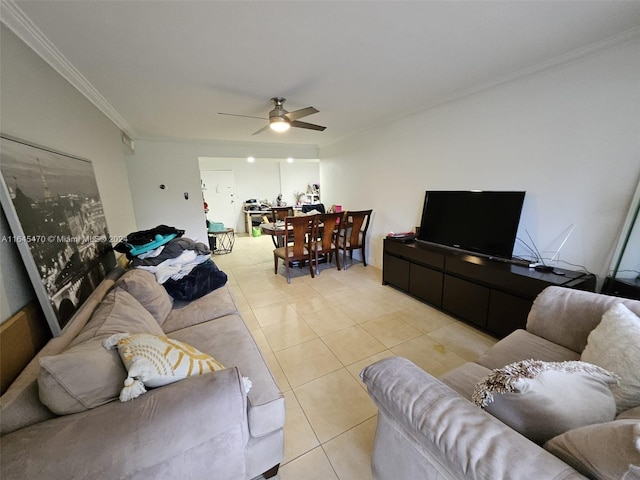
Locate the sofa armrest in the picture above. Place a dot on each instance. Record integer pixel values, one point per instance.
(461, 439)
(160, 431)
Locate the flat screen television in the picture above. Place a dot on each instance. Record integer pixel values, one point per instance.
(483, 222)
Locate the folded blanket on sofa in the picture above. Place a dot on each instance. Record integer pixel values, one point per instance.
(202, 279)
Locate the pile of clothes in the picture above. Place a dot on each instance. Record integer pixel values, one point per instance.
(182, 265)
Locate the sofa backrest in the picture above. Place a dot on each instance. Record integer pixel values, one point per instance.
(566, 316)
(20, 405)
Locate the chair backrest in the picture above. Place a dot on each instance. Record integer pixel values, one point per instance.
(313, 206)
(280, 213)
(358, 223)
(330, 227)
(301, 230)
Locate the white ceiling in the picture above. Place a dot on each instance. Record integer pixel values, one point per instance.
(164, 69)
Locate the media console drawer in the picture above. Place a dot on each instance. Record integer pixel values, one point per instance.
(415, 253)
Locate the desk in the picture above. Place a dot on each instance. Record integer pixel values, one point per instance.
(249, 214)
(222, 241)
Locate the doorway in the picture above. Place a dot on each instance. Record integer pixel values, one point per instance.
(219, 192)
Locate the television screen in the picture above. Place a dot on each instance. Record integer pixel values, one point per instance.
(483, 222)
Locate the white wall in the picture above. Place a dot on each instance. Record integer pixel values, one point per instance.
(39, 106)
(176, 164)
(265, 178)
(568, 136)
(295, 177)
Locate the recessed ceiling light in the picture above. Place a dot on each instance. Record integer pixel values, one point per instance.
(251, 159)
(289, 160)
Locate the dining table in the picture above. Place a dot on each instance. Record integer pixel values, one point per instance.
(277, 232)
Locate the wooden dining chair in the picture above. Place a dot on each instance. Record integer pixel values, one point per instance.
(300, 249)
(328, 225)
(278, 214)
(353, 234)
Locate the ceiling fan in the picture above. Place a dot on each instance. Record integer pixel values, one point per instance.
(281, 120)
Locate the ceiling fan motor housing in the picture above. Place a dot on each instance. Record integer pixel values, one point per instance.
(278, 111)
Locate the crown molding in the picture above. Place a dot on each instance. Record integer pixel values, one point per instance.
(19, 23)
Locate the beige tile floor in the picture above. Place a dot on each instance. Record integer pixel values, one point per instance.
(318, 333)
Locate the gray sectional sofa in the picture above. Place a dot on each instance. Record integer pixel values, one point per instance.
(428, 428)
(62, 418)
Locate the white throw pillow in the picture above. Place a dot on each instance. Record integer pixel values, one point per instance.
(543, 399)
(615, 345)
(154, 361)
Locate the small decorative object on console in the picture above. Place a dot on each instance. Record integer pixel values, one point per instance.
(402, 237)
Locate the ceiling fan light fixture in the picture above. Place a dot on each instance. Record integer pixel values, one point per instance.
(279, 124)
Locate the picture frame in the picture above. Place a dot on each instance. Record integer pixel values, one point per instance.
(53, 208)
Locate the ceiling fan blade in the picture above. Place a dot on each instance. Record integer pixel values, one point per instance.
(303, 112)
(261, 130)
(309, 126)
(245, 116)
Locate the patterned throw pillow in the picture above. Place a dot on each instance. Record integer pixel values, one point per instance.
(543, 399)
(154, 361)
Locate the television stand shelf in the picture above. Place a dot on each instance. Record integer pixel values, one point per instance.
(495, 296)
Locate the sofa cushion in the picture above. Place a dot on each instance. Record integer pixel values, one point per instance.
(119, 312)
(463, 379)
(208, 307)
(520, 345)
(155, 361)
(151, 295)
(83, 377)
(231, 343)
(632, 413)
(544, 399)
(605, 450)
(613, 345)
(86, 375)
(566, 316)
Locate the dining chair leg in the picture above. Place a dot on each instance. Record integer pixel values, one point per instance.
(275, 263)
(311, 269)
(288, 272)
(364, 260)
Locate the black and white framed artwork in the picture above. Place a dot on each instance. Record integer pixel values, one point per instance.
(53, 207)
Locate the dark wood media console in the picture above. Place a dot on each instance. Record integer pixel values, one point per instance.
(493, 295)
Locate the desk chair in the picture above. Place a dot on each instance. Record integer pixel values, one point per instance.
(353, 234)
(327, 240)
(302, 232)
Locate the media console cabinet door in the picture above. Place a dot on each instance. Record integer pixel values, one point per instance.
(396, 272)
(426, 284)
(507, 313)
(466, 300)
